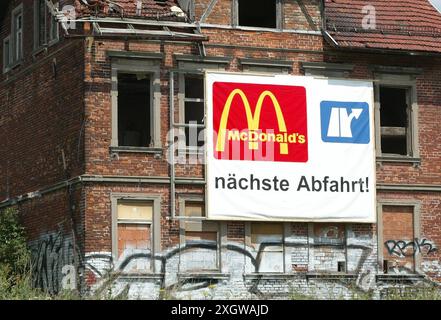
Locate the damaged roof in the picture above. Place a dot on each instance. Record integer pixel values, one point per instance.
(159, 9)
(409, 25)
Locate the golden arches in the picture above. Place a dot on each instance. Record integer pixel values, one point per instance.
(253, 120)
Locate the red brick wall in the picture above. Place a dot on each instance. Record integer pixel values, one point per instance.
(398, 226)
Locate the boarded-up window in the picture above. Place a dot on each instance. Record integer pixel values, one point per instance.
(398, 237)
(267, 241)
(201, 253)
(135, 233)
(194, 209)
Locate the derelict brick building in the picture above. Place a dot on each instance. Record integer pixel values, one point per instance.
(89, 91)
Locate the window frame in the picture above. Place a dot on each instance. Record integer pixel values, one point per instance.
(48, 40)
(17, 56)
(182, 101)
(286, 252)
(402, 82)
(279, 17)
(155, 224)
(203, 226)
(54, 25)
(37, 23)
(416, 229)
(183, 199)
(138, 66)
(199, 68)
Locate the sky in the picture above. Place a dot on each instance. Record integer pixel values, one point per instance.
(436, 4)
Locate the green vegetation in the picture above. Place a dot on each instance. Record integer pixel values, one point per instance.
(15, 261)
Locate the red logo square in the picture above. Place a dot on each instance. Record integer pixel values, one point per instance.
(259, 122)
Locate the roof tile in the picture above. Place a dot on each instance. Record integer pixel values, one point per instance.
(411, 25)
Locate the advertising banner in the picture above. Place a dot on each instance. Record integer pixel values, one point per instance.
(289, 148)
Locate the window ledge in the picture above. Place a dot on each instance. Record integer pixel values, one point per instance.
(249, 28)
(191, 151)
(136, 150)
(141, 275)
(204, 275)
(16, 64)
(268, 275)
(53, 42)
(398, 277)
(307, 275)
(330, 275)
(398, 159)
(39, 50)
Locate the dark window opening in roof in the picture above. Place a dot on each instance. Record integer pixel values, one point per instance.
(394, 120)
(258, 13)
(134, 106)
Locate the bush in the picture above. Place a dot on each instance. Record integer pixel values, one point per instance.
(15, 260)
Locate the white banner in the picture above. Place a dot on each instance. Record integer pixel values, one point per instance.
(289, 148)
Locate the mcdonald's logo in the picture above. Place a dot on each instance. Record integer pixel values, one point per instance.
(259, 122)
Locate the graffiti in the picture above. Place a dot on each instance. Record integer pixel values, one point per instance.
(403, 248)
(51, 259)
(189, 284)
(57, 262)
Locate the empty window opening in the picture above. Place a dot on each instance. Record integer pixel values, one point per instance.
(394, 121)
(258, 13)
(194, 109)
(341, 266)
(134, 110)
(385, 266)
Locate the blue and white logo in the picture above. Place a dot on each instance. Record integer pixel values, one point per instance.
(345, 122)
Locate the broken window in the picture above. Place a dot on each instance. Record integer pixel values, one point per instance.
(394, 120)
(267, 241)
(134, 232)
(257, 13)
(194, 110)
(17, 27)
(134, 110)
(6, 54)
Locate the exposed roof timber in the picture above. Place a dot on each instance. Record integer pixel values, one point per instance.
(139, 22)
(133, 31)
(208, 11)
